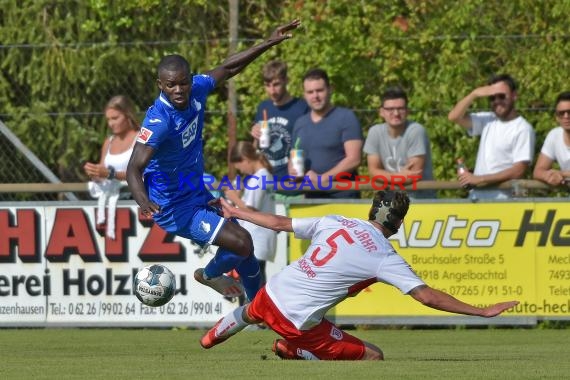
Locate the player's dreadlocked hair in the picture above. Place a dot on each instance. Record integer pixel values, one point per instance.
(388, 208)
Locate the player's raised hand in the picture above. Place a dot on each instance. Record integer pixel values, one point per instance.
(282, 32)
(488, 90)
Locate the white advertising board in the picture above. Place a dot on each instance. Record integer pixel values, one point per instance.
(58, 268)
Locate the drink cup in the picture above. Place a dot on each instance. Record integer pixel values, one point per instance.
(265, 138)
(298, 161)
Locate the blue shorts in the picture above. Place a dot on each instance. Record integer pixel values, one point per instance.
(199, 224)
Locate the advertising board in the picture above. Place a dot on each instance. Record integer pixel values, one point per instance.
(57, 267)
(480, 253)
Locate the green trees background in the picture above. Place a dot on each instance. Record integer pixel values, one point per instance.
(60, 61)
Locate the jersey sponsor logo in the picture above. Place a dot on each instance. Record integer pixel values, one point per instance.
(336, 333)
(144, 135)
(189, 134)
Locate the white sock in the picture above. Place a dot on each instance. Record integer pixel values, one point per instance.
(232, 323)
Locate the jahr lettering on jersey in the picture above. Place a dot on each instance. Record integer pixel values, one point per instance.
(363, 236)
(347, 222)
(366, 240)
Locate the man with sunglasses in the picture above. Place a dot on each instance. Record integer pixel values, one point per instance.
(556, 147)
(507, 140)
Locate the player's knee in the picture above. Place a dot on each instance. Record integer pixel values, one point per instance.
(235, 238)
(243, 244)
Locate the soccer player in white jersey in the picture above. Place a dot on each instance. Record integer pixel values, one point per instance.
(345, 256)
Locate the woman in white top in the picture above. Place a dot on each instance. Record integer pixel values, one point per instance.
(256, 196)
(117, 148)
(108, 176)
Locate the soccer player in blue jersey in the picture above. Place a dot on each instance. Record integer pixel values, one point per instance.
(165, 170)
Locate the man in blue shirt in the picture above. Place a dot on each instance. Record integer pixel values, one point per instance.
(330, 137)
(166, 167)
(282, 110)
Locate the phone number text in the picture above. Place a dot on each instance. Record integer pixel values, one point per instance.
(101, 308)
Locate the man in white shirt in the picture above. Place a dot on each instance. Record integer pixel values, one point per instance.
(556, 147)
(507, 141)
(345, 256)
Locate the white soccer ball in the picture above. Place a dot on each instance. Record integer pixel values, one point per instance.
(155, 285)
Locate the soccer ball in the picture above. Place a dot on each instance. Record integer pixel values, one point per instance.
(155, 285)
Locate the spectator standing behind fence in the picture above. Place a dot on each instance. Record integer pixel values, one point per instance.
(398, 146)
(556, 147)
(507, 140)
(330, 137)
(106, 175)
(116, 151)
(279, 111)
(338, 263)
(169, 156)
(253, 163)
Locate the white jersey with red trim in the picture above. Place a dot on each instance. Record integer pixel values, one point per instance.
(345, 256)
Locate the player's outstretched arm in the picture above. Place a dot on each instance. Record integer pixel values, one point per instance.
(139, 159)
(237, 62)
(271, 221)
(439, 300)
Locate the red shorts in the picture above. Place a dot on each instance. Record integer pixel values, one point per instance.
(325, 341)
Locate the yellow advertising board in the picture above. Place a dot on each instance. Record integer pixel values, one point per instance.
(481, 253)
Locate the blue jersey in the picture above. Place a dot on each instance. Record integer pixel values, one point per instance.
(173, 176)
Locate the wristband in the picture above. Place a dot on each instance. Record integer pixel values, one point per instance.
(111, 173)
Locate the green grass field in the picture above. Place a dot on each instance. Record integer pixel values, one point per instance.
(176, 354)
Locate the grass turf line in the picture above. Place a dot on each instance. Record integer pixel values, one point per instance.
(176, 354)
